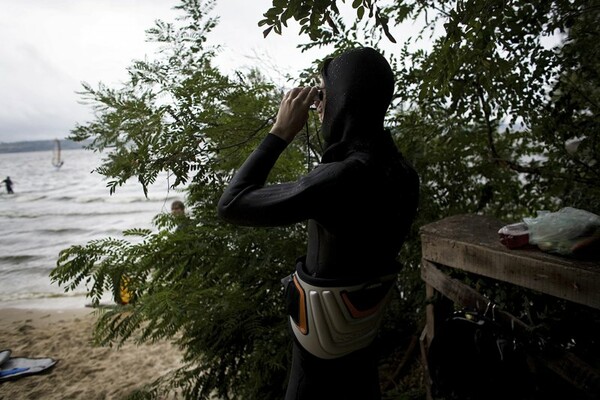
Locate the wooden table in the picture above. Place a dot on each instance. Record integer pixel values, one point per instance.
(471, 243)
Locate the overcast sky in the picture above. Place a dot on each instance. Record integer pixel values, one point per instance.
(49, 47)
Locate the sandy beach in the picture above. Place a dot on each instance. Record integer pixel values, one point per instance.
(83, 371)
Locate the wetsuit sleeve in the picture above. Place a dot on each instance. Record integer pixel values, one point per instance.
(248, 201)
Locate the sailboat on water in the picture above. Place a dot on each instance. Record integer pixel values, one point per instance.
(56, 160)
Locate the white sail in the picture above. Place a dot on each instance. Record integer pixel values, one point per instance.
(56, 160)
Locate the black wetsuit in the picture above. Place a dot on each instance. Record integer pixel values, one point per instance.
(359, 203)
(9, 184)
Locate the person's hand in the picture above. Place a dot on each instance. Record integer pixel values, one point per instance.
(293, 112)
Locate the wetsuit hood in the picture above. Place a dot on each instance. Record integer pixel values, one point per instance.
(359, 86)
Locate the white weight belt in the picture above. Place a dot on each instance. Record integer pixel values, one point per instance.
(329, 325)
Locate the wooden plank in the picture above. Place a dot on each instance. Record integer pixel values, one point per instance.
(578, 285)
(456, 291)
(471, 243)
(573, 370)
(429, 313)
(464, 295)
(483, 231)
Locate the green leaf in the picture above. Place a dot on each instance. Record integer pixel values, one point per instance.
(267, 31)
(360, 11)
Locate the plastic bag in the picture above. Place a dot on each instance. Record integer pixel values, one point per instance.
(566, 231)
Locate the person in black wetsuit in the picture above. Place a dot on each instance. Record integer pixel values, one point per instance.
(360, 202)
(8, 184)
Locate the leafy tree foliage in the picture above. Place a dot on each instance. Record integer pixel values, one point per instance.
(499, 115)
(492, 92)
(212, 288)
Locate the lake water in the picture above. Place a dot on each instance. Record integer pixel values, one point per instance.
(52, 209)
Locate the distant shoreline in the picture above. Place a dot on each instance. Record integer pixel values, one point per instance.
(39, 145)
